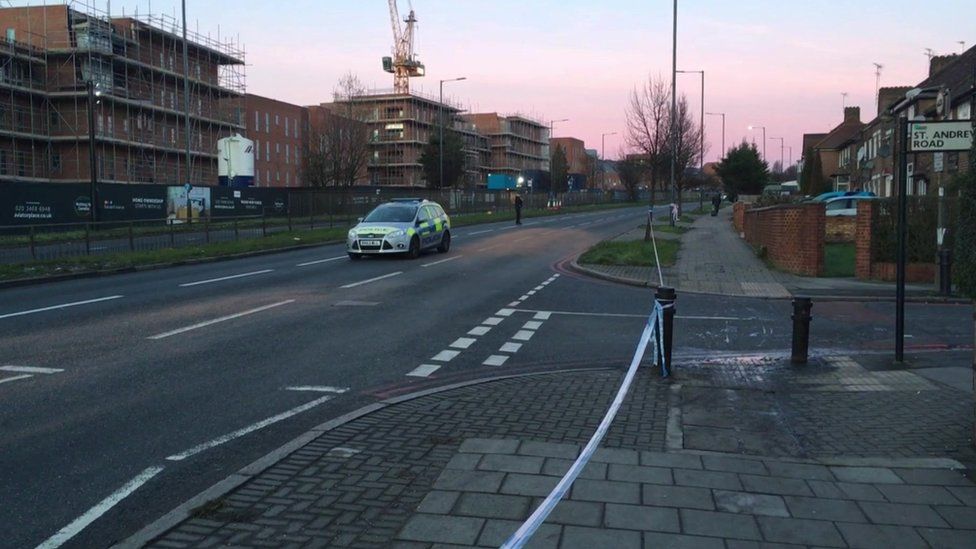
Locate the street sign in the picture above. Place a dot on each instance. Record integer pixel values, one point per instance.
(940, 136)
(938, 162)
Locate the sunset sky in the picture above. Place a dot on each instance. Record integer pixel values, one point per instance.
(765, 64)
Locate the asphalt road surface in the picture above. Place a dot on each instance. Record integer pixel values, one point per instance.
(124, 396)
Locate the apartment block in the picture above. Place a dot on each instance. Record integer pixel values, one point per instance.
(278, 131)
(518, 143)
(50, 54)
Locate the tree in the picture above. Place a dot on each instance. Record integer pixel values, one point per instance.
(453, 160)
(807, 171)
(336, 148)
(630, 170)
(559, 168)
(742, 171)
(965, 237)
(817, 183)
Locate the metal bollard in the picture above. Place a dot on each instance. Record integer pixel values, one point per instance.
(945, 272)
(666, 297)
(801, 329)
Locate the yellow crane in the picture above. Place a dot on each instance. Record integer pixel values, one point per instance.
(404, 63)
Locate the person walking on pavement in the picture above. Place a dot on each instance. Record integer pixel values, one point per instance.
(518, 209)
(716, 203)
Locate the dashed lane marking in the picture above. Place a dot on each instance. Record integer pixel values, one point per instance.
(523, 335)
(318, 389)
(495, 360)
(510, 347)
(481, 232)
(462, 342)
(30, 369)
(368, 280)
(424, 370)
(445, 356)
(493, 321)
(15, 378)
(442, 261)
(532, 325)
(221, 319)
(479, 330)
(316, 262)
(211, 280)
(542, 315)
(505, 312)
(62, 306)
(515, 304)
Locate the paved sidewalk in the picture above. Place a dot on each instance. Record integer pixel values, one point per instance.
(728, 453)
(714, 260)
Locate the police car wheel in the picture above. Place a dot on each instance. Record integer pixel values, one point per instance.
(354, 257)
(414, 251)
(445, 243)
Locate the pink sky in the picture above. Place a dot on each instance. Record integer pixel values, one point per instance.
(778, 64)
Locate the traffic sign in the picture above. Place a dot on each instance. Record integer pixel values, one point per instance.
(940, 136)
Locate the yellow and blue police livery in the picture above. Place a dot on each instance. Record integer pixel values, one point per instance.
(402, 226)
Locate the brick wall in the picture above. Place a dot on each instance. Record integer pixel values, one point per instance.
(792, 236)
(738, 216)
(841, 228)
(865, 268)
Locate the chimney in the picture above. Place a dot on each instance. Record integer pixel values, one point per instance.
(939, 62)
(852, 114)
(889, 96)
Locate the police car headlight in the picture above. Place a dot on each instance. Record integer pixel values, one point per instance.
(396, 234)
(352, 234)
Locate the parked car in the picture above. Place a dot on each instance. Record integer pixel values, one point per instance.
(845, 205)
(823, 197)
(402, 226)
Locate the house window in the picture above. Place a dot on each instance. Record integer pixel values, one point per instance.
(276, 120)
(287, 179)
(286, 126)
(257, 121)
(267, 151)
(287, 153)
(267, 122)
(277, 148)
(257, 150)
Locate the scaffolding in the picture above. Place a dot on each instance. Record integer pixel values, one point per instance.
(49, 54)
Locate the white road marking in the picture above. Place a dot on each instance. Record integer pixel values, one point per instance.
(30, 370)
(249, 429)
(307, 263)
(524, 297)
(531, 325)
(523, 335)
(445, 356)
(627, 315)
(342, 452)
(318, 389)
(539, 287)
(507, 228)
(199, 282)
(479, 330)
(62, 306)
(221, 319)
(424, 370)
(495, 360)
(463, 342)
(99, 509)
(530, 292)
(510, 347)
(15, 378)
(442, 261)
(361, 282)
(481, 232)
(493, 321)
(542, 315)
(505, 312)
(515, 304)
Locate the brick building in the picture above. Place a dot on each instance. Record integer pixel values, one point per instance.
(278, 131)
(49, 55)
(518, 143)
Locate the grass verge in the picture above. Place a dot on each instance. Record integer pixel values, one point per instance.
(839, 260)
(636, 253)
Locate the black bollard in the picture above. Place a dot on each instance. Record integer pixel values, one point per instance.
(801, 329)
(945, 272)
(666, 297)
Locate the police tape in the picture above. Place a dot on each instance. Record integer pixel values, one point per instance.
(652, 329)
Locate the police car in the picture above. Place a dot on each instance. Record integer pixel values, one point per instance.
(402, 226)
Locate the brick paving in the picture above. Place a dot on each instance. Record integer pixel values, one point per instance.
(725, 454)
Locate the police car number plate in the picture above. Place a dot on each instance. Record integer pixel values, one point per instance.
(370, 242)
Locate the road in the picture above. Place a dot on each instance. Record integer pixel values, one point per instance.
(146, 388)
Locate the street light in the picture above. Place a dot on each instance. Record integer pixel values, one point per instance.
(722, 114)
(763, 128)
(701, 161)
(93, 174)
(603, 154)
(440, 119)
(781, 147)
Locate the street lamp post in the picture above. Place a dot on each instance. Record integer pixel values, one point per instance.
(763, 128)
(93, 173)
(186, 100)
(603, 155)
(722, 114)
(701, 160)
(781, 148)
(674, 103)
(440, 120)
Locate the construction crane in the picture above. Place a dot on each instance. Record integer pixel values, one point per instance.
(404, 64)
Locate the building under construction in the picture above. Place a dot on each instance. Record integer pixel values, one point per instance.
(50, 54)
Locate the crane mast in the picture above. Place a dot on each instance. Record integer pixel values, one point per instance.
(404, 63)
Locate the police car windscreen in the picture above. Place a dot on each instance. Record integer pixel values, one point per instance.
(392, 213)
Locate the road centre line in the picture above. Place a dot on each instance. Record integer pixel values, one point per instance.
(318, 389)
(102, 507)
(507, 228)
(16, 378)
(424, 370)
(221, 319)
(481, 232)
(62, 306)
(374, 279)
(523, 298)
(199, 282)
(30, 369)
(249, 429)
(307, 263)
(442, 261)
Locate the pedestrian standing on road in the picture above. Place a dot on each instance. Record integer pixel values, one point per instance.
(518, 209)
(716, 203)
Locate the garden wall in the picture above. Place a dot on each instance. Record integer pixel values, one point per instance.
(790, 235)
